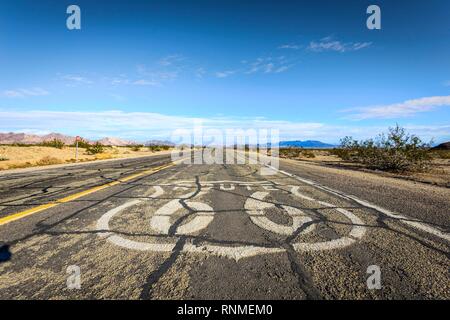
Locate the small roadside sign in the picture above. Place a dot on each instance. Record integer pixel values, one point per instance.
(77, 139)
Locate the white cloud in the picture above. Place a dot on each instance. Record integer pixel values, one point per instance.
(171, 60)
(77, 79)
(160, 74)
(22, 93)
(144, 125)
(143, 82)
(447, 83)
(290, 46)
(225, 74)
(119, 80)
(399, 110)
(330, 44)
(269, 65)
(199, 73)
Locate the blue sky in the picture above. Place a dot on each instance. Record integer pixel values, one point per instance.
(140, 69)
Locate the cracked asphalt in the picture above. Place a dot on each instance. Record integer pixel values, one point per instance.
(222, 232)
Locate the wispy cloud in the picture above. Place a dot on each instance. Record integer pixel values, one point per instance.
(398, 110)
(118, 80)
(447, 83)
(199, 73)
(330, 44)
(143, 82)
(76, 79)
(225, 74)
(269, 65)
(22, 93)
(171, 60)
(292, 46)
(262, 65)
(159, 75)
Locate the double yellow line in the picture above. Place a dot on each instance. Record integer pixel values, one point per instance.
(22, 214)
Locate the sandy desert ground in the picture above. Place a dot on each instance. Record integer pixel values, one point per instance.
(15, 157)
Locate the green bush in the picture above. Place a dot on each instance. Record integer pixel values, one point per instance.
(155, 148)
(308, 153)
(95, 148)
(397, 151)
(82, 144)
(55, 143)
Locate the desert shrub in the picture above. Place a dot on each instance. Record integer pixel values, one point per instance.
(47, 160)
(18, 144)
(394, 151)
(3, 159)
(82, 144)
(55, 143)
(155, 148)
(293, 152)
(289, 152)
(308, 153)
(440, 154)
(94, 148)
(136, 147)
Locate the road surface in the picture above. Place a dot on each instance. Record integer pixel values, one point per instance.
(148, 229)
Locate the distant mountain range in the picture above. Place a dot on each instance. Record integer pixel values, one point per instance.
(305, 144)
(443, 146)
(159, 143)
(25, 138)
(110, 141)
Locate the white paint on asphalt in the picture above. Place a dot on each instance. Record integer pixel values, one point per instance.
(255, 207)
(103, 222)
(161, 220)
(415, 223)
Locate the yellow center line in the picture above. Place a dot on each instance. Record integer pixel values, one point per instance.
(25, 213)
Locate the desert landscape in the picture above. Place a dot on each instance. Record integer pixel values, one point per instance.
(20, 150)
(438, 172)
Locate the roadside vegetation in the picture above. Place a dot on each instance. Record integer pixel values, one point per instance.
(55, 143)
(47, 160)
(136, 147)
(95, 148)
(296, 153)
(156, 148)
(396, 151)
(81, 144)
(17, 156)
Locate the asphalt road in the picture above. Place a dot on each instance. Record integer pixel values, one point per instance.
(160, 231)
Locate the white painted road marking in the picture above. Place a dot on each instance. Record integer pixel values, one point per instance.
(415, 223)
(161, 219)
(255, 208)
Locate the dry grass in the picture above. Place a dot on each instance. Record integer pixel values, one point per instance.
(47, 160)
(15, 157)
